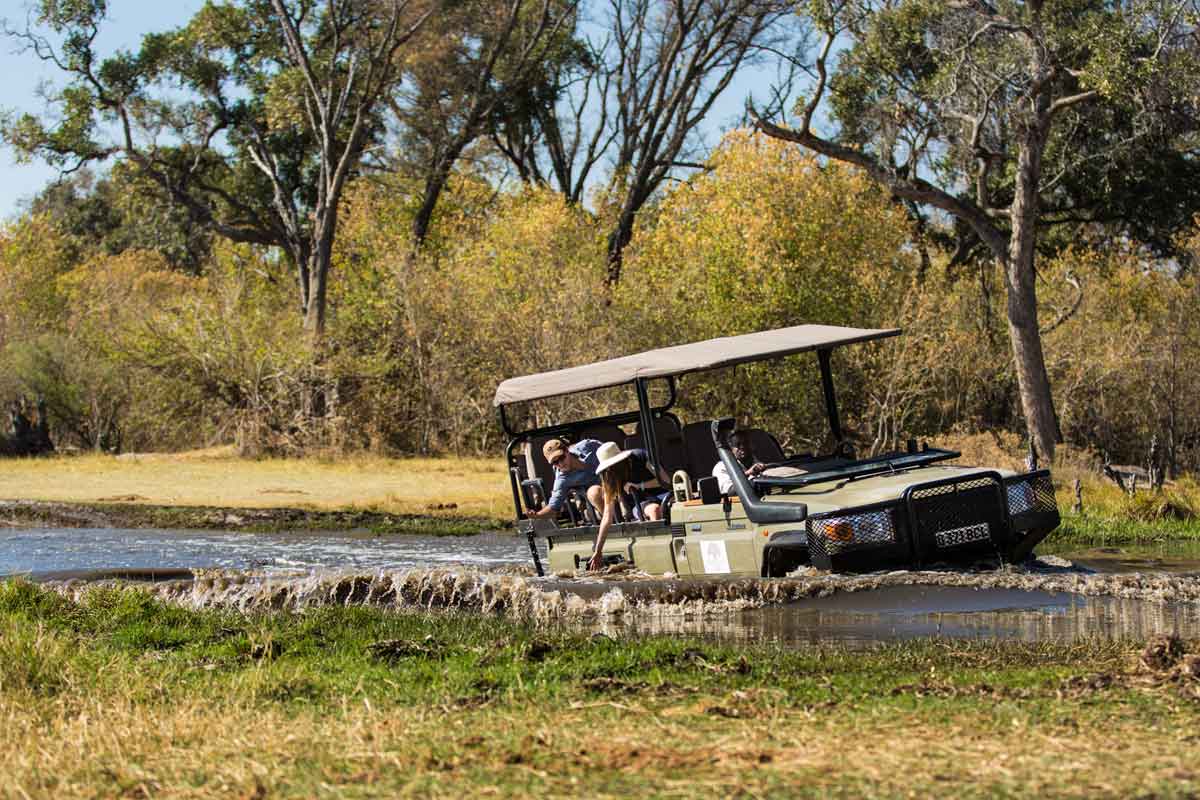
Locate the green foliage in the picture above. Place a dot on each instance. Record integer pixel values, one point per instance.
(768, 237)
(512, 283)
(121, 211)
(87, 397)
(944, 89)
(33, 255)
(250, 378)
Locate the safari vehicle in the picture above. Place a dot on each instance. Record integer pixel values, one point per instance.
(841, 513)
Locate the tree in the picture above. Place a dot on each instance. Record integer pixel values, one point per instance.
(121, 211)
(481, 56)
(279, 100)
(764, 238)
(977, 109)
(636, 93)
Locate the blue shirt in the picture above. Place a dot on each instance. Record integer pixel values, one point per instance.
(585, 451)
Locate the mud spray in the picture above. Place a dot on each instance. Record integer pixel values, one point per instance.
(629, 595)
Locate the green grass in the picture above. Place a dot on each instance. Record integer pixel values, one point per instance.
(120, 694)
(1088, 529)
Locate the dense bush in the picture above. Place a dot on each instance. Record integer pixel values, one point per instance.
(129, 350)
(768, 238)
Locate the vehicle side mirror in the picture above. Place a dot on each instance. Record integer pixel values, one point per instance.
(709, 490)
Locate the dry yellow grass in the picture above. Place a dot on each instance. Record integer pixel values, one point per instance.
(475, 486)
(598, 748)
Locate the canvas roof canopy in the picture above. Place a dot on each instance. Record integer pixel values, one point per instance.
(725, 351)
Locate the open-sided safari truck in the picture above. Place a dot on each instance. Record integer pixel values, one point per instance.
(839, 512)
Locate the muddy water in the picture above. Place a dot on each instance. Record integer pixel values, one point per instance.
(1175, 557)
(1101, 593)
(907, 612)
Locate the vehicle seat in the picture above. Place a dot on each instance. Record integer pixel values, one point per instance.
(702, 453)
(537, 467)
(603, 432)
(766, 447)
(671, 448)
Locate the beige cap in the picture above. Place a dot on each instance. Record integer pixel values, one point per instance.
(553, 448)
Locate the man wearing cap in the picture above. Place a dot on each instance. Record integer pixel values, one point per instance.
(574, 468)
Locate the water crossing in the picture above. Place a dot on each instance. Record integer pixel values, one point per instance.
(1104, 595)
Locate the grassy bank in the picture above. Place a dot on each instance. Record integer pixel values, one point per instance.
(208, 488)
(215, 489)
(120, 695)
(1111, 517)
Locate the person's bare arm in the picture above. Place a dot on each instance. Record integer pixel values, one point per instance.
(606, 520)
(661, 482)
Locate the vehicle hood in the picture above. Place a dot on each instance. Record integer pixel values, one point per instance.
(835, 495)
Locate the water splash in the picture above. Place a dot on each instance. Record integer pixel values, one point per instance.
(515, 594)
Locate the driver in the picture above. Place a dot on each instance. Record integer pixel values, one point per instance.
(743, 451)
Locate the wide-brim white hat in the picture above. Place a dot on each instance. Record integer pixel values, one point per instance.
(609, 453)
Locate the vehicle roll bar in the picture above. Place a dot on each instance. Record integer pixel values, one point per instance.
(760, 512)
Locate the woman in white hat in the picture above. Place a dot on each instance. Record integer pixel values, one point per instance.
(627, 479)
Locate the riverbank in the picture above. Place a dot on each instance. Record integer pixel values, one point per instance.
(43, 514)
(214, 489)
(119, 694)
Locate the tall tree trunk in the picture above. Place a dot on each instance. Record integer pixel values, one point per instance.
(617, 240)
(434, 185)
(314, 314)
(318, 279)
(302, 259)
(1032, 381)
(622, 234)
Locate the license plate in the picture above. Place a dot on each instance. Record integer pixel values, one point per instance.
(964, 535)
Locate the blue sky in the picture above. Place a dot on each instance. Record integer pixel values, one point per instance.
(127, 22)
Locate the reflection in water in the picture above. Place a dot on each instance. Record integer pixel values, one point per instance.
(1028, 616)
(1182, 557)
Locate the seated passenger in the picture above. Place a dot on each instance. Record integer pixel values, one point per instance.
(628, 479)
(574, 468)
(743, 451)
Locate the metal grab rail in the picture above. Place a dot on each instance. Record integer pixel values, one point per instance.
(758, 511)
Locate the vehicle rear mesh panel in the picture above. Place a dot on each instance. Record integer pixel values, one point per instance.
(870, 529)
(1043, 494)
(966, 512)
